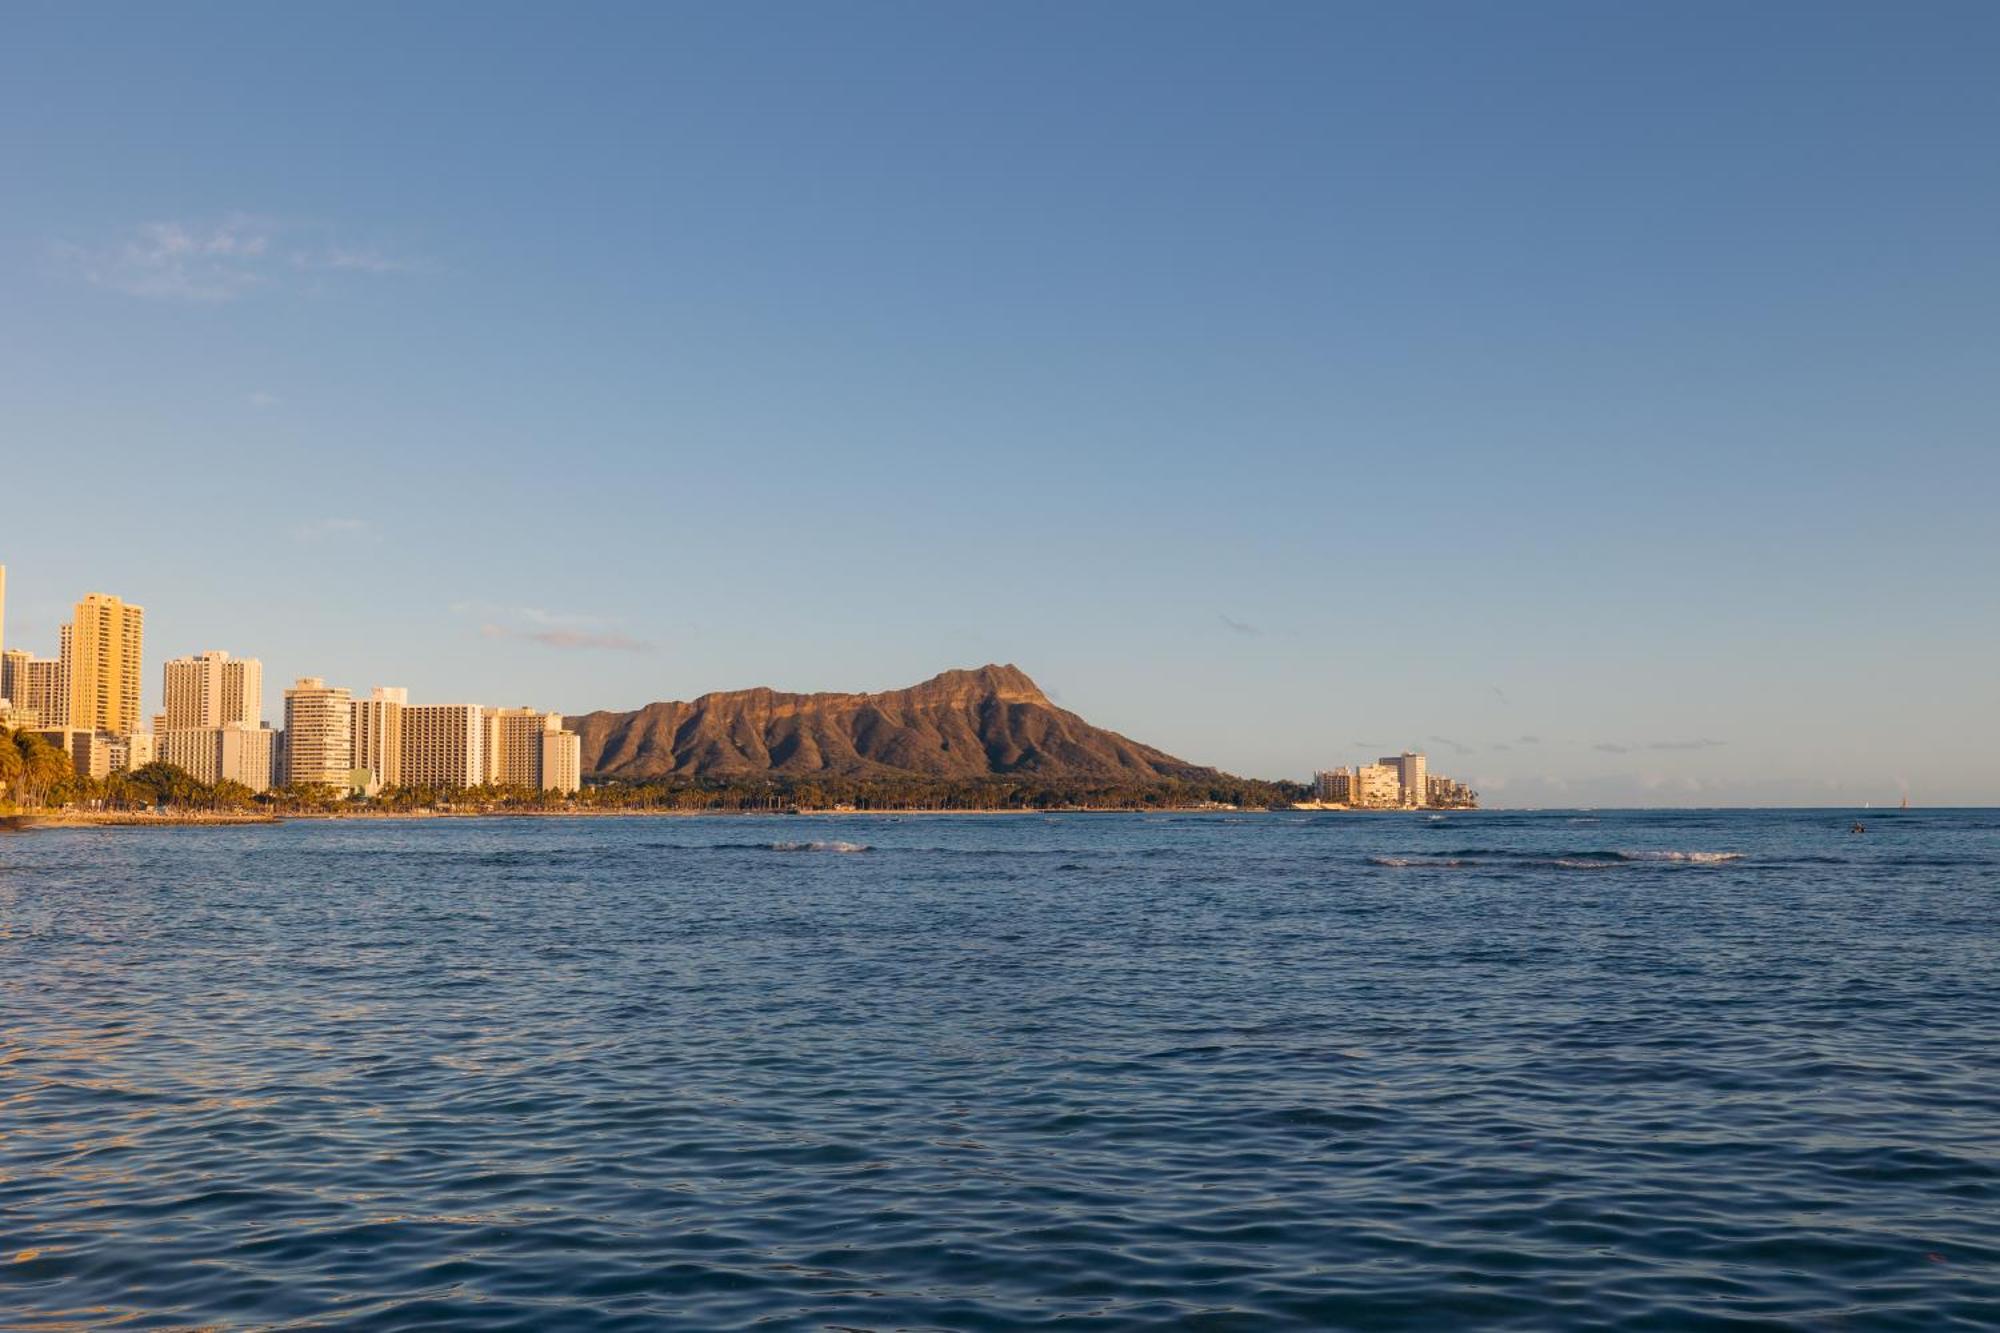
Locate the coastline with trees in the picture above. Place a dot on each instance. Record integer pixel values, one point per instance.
(40, 786)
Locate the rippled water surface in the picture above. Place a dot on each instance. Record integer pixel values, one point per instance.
(1488, 1070)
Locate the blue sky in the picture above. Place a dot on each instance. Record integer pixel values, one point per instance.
(1599, 397)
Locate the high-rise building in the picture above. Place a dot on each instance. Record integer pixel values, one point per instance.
(13, 674)
(514, 745)
(39, 689)
(1409, 768)
(243, 691)
(1333, 786)
(46, 683)
(1377, 787)
(378, 735)
(229, 753)
(562, 761)
(213, 689)
(1447, 792)
(106, 643)
(319, 734)
(525, 748)
(444, 745)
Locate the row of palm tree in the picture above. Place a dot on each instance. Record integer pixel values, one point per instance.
(33, 773)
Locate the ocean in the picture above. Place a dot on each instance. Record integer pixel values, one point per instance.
(1554, 1070)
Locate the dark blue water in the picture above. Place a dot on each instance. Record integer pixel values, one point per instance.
(1333, 1071)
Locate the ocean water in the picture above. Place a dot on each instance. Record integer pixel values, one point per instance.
(1490, 1070)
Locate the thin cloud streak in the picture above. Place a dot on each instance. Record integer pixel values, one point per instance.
(570, 639)
(329, 529)
(209, 263)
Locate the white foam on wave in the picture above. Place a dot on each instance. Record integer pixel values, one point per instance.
(1700, 858)
(1401, 862)
(819, 847)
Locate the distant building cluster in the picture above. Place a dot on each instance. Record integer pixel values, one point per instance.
(1393, 782)
(85, 700)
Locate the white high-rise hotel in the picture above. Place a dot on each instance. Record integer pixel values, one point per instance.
(319, 734)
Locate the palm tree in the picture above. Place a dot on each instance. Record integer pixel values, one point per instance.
(10, 761)
(43, 767)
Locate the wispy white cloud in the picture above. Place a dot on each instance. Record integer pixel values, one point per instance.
(261, 399)
(341, 259)
(332, 529)
(208, 262)
(1612, 747)
(573, 630)
(606, 641)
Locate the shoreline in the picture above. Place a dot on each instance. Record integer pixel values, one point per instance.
(130, 819)
(74, 819)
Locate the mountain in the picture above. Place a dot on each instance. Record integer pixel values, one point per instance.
(962, 724)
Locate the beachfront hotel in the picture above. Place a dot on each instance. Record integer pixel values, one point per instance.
(378, 737)
(1393, 782)
(444, 745)
(319, 734)
(104, 646)
(211, 689)
(230, 752)
(527, 747)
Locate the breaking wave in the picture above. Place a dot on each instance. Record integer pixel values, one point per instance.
(819, 846)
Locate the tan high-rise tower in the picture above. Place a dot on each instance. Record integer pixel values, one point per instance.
(378, 734)
(213, 689)
(526, 747)
(106, 642)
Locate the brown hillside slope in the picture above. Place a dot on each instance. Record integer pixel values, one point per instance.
(961, 724)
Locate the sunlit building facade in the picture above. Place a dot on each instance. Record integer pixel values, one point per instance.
(319, 734)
